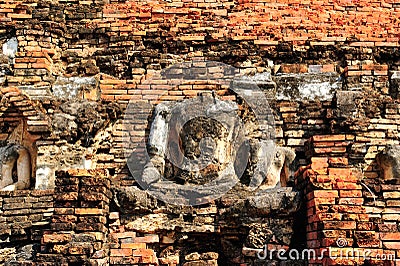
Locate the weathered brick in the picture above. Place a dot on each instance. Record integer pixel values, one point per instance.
(390, 236)
(122, 252)
(391, 245)
(346, 185)
(351, 201)
(391, 195)
(338, 161)
(89, 211)
(57, 238)
(124, 260)
(323, 194)
(320, 138)
(134, 245)
(339, 224)
(147, 239)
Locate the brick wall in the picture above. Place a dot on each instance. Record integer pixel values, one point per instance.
(16, 107)
(78, 228)
(348, 222)
(123, 46)
(344, 219)
(24, 215)
(133, 39)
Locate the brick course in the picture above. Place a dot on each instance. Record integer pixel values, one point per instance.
(340, 218)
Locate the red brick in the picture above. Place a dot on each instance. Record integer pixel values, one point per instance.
(333, 233)
(341, 172)
(322, 201)
(328, 68)
(88, 211)
(330, 150)
(294, 68)
(19, 16)
(391, 227)
(320, 138)
(266, 42)
(331, 144)
(125, 260)
(351, 201)
(331, 242)
(350, 193)
(360, 73)
(148, 256)
(121, 252)
(108, 97)
(312, 227)
(40, 65)
(80, 249)
(387, 44)
(365, 226)
(312, 235)
(318, 163)
(362, 44)
(328, 217)
(143, 252)
(57, 238)
(324, 179)
(363, 217)
(148, 239)
(128, 97)
(344, 225)
(380, 73)
(391, 245)
(323, 194)
(123, 235)
(134, 245)
(322, 171)
(381, 67)
(390, 236)
(348, 209)
(346, 185)
(338, 161)
(20, 65)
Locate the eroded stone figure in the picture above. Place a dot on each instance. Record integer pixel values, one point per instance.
(389, 161)
(15, 167)
(270, 163)
(273, 171)
(196, 137)
(279, 168)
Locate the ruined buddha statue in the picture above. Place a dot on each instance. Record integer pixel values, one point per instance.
(388, 161)
(15, 167)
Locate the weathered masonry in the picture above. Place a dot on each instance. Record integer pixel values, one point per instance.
(102, 127)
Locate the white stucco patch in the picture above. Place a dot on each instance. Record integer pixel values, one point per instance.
(10, 49)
